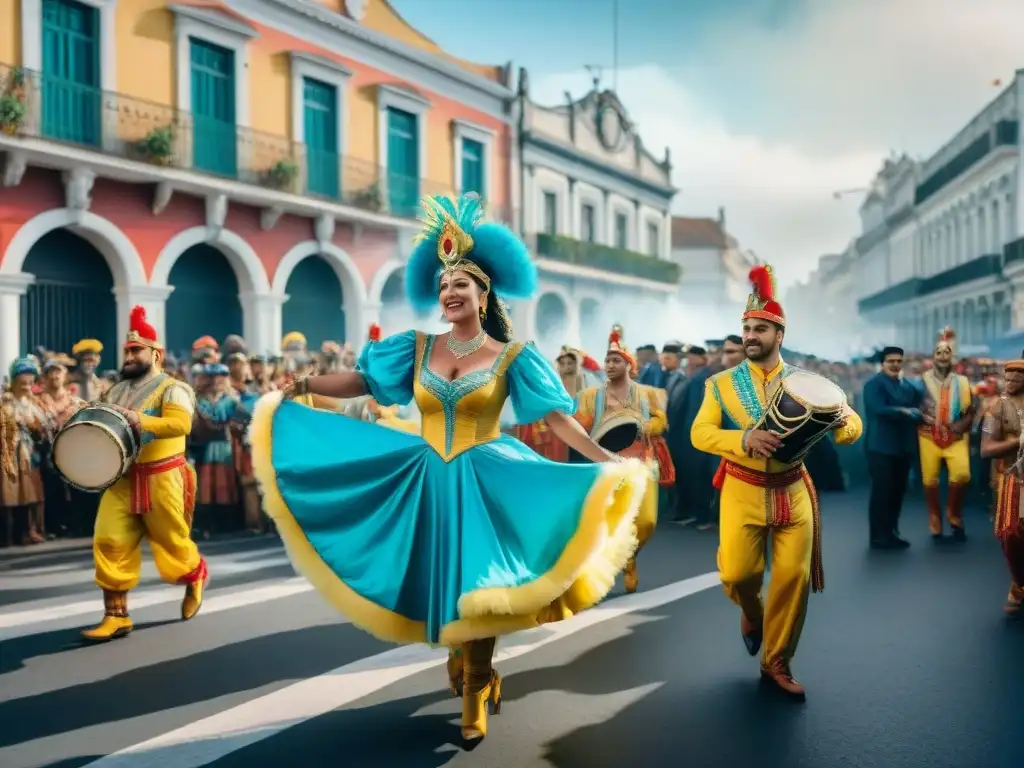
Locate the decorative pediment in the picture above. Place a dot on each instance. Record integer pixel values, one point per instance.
(608, 118)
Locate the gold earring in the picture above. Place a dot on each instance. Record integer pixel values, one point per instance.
(483, 313)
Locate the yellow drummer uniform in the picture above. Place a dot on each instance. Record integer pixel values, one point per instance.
(155, 500)
(593, 410)
(760, 499)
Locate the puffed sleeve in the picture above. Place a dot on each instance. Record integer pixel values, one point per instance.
(535, 388)
(388, 367)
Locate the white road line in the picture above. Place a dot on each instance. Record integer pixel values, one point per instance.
(204, 741)
(23, 623)
(83, 573)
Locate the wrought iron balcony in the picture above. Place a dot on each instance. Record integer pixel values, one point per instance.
(36, 105)
(606, 258)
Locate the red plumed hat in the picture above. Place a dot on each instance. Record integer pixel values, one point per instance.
(374, 332)
(762, 304)
(140, 332)
(615, 345)
(590, 364)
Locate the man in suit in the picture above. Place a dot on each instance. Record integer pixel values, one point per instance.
(696, 468)
(673, 381)
(892, 411)
(651, 372)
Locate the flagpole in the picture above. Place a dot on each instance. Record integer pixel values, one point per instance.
(615, 45)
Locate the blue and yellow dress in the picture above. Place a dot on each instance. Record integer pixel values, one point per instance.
(459, 534)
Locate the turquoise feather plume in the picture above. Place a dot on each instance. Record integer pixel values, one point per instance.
(497, 250)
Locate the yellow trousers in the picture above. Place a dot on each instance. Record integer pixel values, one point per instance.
(647, 519)
(744, 532)
(117, 540)
(957, 458)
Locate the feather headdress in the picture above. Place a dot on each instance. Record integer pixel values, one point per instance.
(947, 339)
(616, 346)
(140, 332)
(762, 304)
(456, 237)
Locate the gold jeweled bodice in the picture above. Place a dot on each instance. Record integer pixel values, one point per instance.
(460, 414)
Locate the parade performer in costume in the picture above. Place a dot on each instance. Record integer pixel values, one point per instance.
(619, 396)
(24, 488)
(85, 383)
(463, 533)
(761, 497)
(205, 350)
(156, 498)
(538, 436)
(944, 438)
(1002, 440)
(217, 492)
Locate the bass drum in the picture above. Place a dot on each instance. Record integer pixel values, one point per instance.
(95, 448)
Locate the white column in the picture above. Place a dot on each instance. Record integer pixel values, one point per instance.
(12, 288)
(153, 298)
(261, 321)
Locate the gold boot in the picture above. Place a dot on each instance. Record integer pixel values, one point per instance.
(481, 688)
(193, 599)
(629, 576)
(455, 671)
(115, 622)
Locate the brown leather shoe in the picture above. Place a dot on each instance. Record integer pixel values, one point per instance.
(752, 634)
(778, 672)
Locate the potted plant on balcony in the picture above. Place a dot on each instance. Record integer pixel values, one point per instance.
(12, 102)
(369, 199)
(283, 174)
(158, 146)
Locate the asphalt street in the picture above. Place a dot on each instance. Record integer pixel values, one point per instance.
(906, 656)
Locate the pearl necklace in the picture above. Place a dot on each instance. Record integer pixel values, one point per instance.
(463, 349)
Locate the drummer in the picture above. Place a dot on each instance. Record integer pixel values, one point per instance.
(622, 404)
(157, 499)
(1001, 440)
(762, 497)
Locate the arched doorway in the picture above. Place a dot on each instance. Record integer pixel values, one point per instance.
(552, 323)
(72, 297)
(204, 301)
(315, 305)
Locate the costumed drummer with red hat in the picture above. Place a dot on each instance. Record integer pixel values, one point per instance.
(761, 496)
(611, 405)
(156, 498)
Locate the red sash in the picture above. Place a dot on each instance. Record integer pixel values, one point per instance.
(140, 474)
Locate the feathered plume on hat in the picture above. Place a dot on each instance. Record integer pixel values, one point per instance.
(947, 338)
(615, 345)
(140, 332)
(762, 304)
(374, 334)
(590, 364)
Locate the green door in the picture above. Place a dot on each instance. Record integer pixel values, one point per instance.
(214, 135)
(403, 162)
(72, 297)
(314, 305)
(320, 118)
(472, 167)
(72, 98)
(204, 300)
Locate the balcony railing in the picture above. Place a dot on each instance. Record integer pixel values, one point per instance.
(36, 105)
(606, 258)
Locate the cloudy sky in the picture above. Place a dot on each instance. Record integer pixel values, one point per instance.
(768, 106)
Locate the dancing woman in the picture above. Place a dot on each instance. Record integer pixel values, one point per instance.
(461, 534)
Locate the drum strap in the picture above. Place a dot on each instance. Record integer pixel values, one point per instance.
(140, 474)
(779, 509)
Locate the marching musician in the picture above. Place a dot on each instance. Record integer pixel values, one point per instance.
(762, 497)
(619, 395)
(156, 498)
(1002, 439)
(24, 487)
(944, 438)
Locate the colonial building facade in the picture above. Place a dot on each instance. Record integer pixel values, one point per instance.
(822, 310)
(716, 269)
(244, 166)
(594, 205)
(941, 240)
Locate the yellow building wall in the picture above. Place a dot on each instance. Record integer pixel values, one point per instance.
(10, 34)
(144, 30)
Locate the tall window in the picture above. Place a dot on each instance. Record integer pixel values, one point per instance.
(71, 72)
(587, 223)
(403, 162)
(551, 213)
(653, 238)
(214, 136)
(621, 231)
(473, 167)
(320, 126)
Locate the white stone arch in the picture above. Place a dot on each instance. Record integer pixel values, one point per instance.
(380, 278)
(105, 236)
(249, 270)
(353, 289)
(549, 344)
